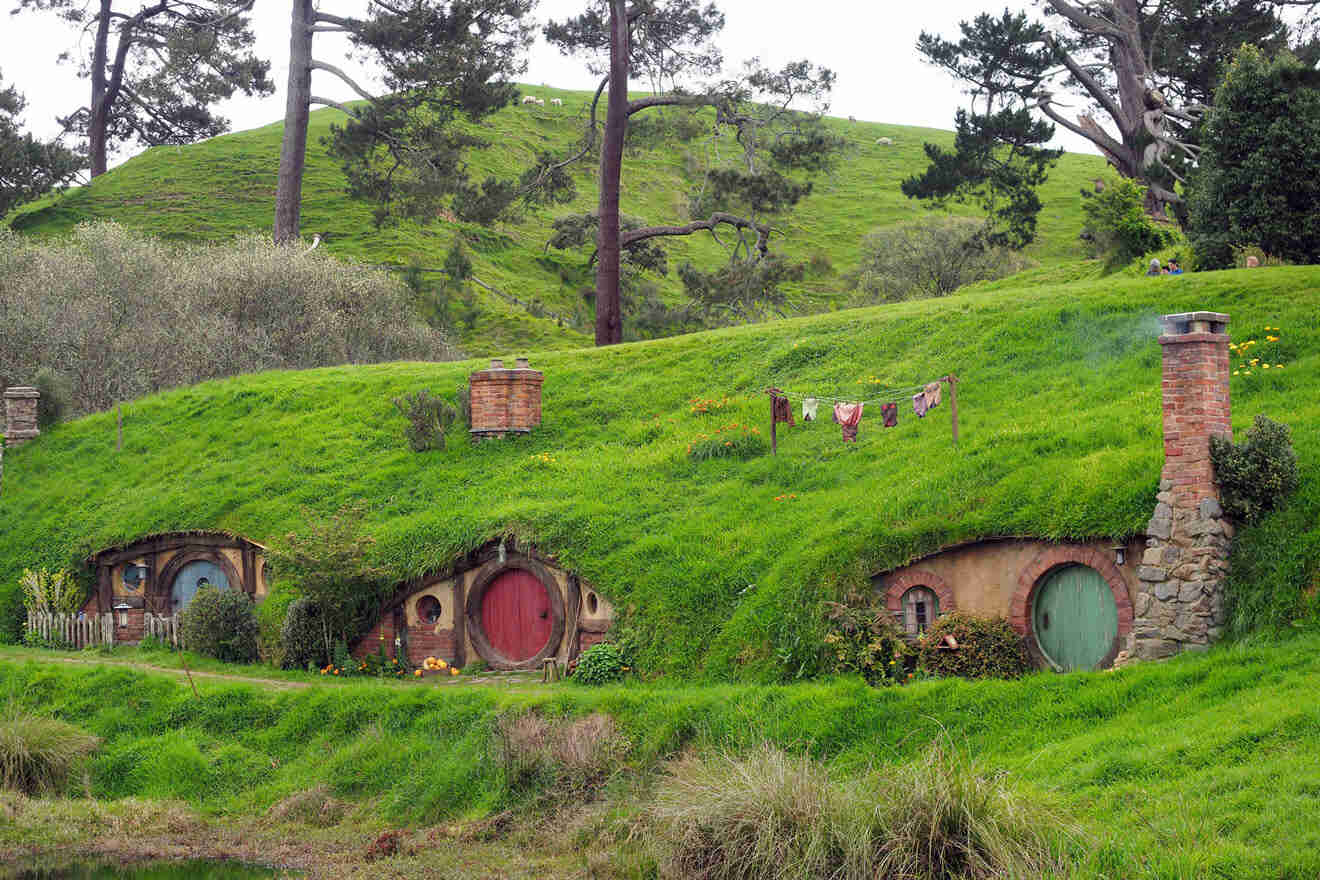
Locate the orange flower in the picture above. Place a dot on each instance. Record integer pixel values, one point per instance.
(418, 673)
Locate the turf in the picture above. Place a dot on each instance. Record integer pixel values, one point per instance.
(1204, 766)
(717, 566)
(224, 186)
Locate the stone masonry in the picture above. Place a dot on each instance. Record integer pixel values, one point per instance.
(505, 401)
(1179, 602)
(20, 421)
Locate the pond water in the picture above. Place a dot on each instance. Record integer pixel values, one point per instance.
(192, 870)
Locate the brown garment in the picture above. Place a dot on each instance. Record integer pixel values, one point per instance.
(932, 393)
(784, 411)
(889, 412)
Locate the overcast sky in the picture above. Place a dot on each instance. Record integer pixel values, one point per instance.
(868, 43)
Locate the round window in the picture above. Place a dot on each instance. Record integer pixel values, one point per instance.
(428, 609)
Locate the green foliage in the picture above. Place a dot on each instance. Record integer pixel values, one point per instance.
(1120, 229)
(864, 640)
(930, 257)
(1274, 570)
(302, 637)
(728, 441)
(28, 167)
(767, 814)
(1258, 180)
(37, 754)
(330, 564)
(56, 401)
(602, 663)
(1257, 475)
(429, 418)
(988, 647)
(51, 592)
(220, 624)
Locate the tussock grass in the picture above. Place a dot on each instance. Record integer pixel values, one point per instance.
(768, 815)
(38, 754)
(570, 756)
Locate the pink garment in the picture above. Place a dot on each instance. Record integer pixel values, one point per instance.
(848, 415)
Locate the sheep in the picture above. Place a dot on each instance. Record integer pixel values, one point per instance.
(528, 99)
(557, 102)
(852, 118)
(884, 142)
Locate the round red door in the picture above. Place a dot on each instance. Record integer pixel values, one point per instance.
(516, 615)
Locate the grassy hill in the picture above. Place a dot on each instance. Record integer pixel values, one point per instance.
(224, 186)
(716, 564)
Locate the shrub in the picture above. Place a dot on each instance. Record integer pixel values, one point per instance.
(56, 398)
(988, 647)
(220, 624)
(601, 664)
(730, 441)
(1257, 475)
(464, 396)
(932, 257)
(302, 637)
(864, 639)
(38, 754)
(51, 592)
(771, 816)
(195, 312)
(429, 417)
(1120, 229)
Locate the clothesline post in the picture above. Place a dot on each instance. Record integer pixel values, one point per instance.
(774, 440)
(953, 404)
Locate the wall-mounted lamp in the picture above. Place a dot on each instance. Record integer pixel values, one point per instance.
(502, 556)
(123, 609)
(1120, 553)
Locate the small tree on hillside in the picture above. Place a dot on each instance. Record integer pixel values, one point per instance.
(441, 60)
(29, 168)
(931, 257)
(1259, 178)
(157, 70)
(664, 41)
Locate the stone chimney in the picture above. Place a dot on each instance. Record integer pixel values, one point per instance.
(1180, 600)
(21, 416)
(505, 401)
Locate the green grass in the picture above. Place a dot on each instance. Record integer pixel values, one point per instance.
(1060, 417)
(1204, 766)
(224, 186)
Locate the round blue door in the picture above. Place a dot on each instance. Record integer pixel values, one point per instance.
(192, 577)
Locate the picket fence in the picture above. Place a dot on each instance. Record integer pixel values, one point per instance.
(98, 629)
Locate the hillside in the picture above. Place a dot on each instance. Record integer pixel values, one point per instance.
(221, 187)
(716, 564)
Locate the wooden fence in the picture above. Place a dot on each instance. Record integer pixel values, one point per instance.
(163, 628)
(72, 629)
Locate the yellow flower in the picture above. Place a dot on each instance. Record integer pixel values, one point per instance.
(453, 670)
(418, 673)
(1278, 366)
(440, 664)
(1235, 372)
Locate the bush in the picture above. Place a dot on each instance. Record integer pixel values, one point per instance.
(220, 624)
(127, 314)
(730, 441)
(38, 754)
(1120, 229)
(302, 637)
(429, 417)
(1257, 475)
(932, 257)
(864, 639)
(602, 663)
(988, 647)
(51, 592)
(56, 398)
(1258, 179)
(772, 816)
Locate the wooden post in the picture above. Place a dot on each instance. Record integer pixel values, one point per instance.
(774, 440)
(953, 404)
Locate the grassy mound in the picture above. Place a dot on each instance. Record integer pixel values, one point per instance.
(225, 186)
(1203, 766)
(716, 564)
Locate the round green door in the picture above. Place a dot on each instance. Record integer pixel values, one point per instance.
(1075, 618)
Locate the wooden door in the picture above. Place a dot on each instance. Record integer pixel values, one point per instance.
(516, 615)
(192, 577)
(1075, 618)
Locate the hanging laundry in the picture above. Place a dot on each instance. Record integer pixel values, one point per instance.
(848, 415)
(919, 404)
(784, 411)
(889, 413)
(932, 394)
(809, 407)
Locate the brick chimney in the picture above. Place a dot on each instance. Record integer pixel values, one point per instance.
(505, 401)
(20, 415)
(1180, 601)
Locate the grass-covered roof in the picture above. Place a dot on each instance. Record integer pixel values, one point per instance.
(1059, 409)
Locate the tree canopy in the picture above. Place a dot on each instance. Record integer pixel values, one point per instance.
(29, 168)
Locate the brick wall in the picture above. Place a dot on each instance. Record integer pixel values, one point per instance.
(1180, 602)
(587, 639)
(133, 630)
(423, 642)
(505, 400)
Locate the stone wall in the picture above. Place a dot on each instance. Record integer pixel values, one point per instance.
(1180, 600)
(21, 416)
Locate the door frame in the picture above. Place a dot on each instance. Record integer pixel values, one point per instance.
(472, 614)
(1023, 609)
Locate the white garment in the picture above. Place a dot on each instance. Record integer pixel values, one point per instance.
(809, 409)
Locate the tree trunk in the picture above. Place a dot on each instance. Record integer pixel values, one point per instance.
(297, 108)
(96, 137)
(609, 318)
(97, 119)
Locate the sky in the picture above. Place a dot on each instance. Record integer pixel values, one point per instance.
(870, 44)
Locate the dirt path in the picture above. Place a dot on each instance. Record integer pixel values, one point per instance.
(197, 674)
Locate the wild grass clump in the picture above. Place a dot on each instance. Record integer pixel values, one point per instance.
(767, 814)
(38, 754)
(562, 756)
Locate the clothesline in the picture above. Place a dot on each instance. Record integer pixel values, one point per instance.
(895, 395)
(848, 411)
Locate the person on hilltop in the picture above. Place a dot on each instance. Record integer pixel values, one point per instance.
(1154, 267)
(1175, 268)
